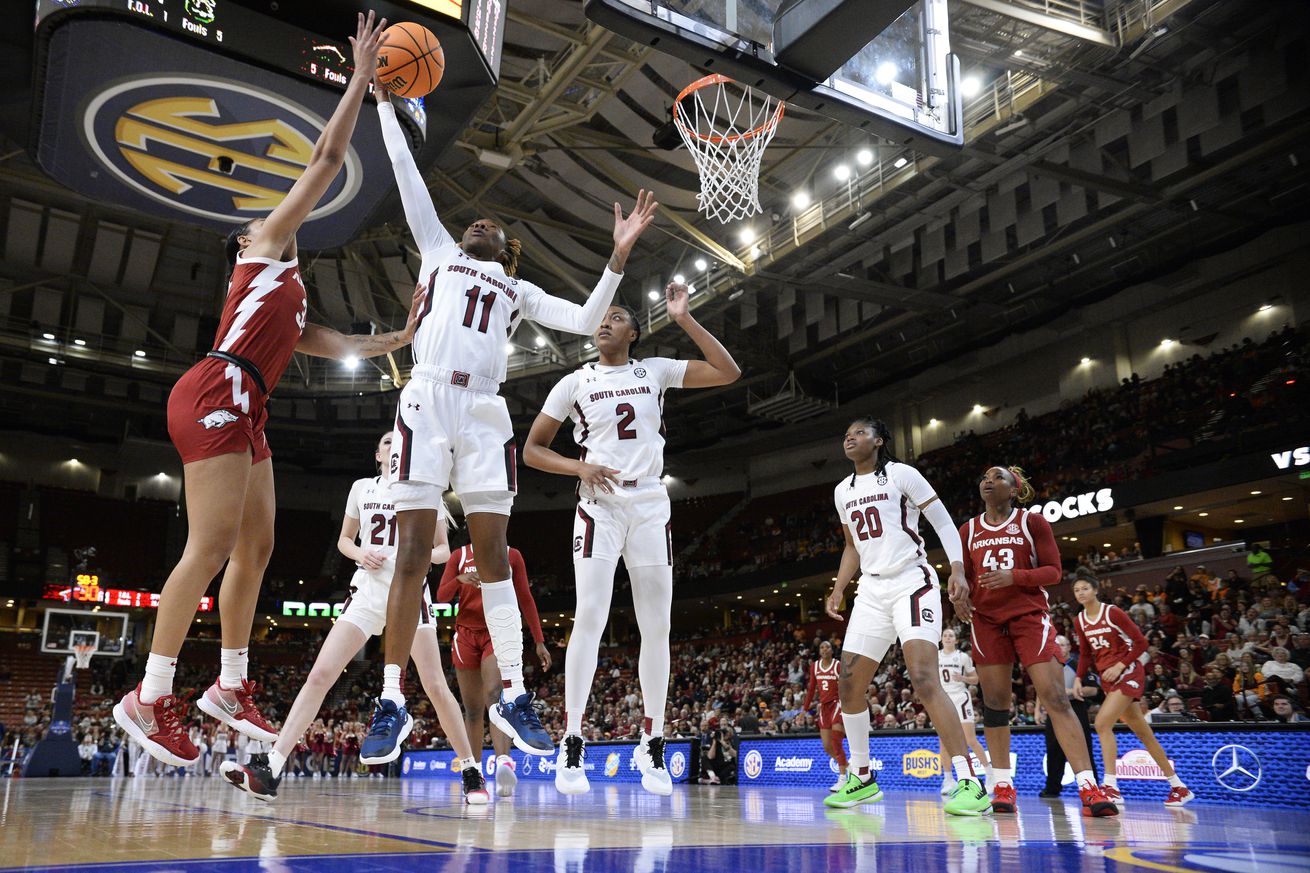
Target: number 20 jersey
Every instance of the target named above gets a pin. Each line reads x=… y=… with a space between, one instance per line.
x=1010 y=545
x=882 y=512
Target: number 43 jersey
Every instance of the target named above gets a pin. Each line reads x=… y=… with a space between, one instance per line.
x=1025 y=545
x=618 y=413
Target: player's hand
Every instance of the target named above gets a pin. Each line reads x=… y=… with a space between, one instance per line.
x=543 y=655
x=957 y=590
x=415 y=312
x=380 y=92
x=676 y=296
x=627 y=230
x=469 y=577
x=832 y=605
x=994 y=579
x=598 y=477
x=372 y=560
x=1114 y=671
x=956 y=677
x=1076 y=693
x=366 y=42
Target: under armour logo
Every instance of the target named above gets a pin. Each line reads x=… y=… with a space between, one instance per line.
x=413 y=406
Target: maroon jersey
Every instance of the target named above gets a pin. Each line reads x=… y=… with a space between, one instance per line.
x=1108 y=638
x=1023 y=544
x=470 y=596
x=263 y=318
x=822 y=682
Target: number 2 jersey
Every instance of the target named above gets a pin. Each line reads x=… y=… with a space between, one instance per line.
x=1025 y=545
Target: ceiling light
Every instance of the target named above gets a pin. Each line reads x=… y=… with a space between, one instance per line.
x=351 y=362
x=702 y=265
x=1018 y=53
x=1085 y=361
x=540 y=341
x=900 y=162
x=386 y=377
x=52 y=360
x=755 y=253
x=653 y=295
x=1073 y=539
x=1288 y=498
x=885 y=73
x=1264 y=307
x=1177 y=507
x=841 y=172
x=48 y=336
x=970 y=86
x=1239 y=521
x=73 y=460
x=1202 y=514
x=588 y=346
x=977 y=408
x=79 y=342
x=864 y=156
x=140 y=353
x=746 y=235
x=1105 y=545
x=739 y=597
x=801 y=199
x=509 y=348
x=679 y=279
x=932 y=422
x=1253 y=493
x=1166 y=343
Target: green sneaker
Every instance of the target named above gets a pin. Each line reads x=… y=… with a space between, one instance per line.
x=968 y=798
x=855 y=792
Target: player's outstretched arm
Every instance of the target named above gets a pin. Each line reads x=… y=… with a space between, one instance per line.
x=538 y=455
x=329 y=152
x=718 y=368
x=420 y=214
x=559 y=314
x=324 y=342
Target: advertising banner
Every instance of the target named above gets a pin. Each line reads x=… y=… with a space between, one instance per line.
x=606 y=762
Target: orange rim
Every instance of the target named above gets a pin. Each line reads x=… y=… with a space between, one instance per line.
x=720 y=79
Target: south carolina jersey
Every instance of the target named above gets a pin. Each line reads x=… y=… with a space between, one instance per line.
x=618 y=412
x=882 y=512
x=952 y=664
x=1024 y=544
x=263 y=318
x=369 y=502
x=1108 y=638
x=823 y=683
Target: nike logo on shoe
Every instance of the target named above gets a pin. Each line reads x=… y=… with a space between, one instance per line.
x=231 y=710
x=148 y=726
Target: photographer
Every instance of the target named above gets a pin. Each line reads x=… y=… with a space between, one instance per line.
x=718 y=756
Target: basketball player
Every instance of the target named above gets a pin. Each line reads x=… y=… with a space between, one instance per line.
x=823 y=682
x=879 y=505
x=1010 y=556
x=470 y=650
x=617 y=406
x=453 y=429
x=957 y=675
x=1109 y=640
x=371 y=520
x=216 y=417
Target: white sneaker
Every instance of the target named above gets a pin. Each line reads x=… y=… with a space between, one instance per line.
x=649 y=756
x=506 y=778
x=836 y=786
x=948 y=785
x=570 y=766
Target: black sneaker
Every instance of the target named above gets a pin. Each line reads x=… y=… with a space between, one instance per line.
x=475 y=787
x=649 y=756
x=255 y=777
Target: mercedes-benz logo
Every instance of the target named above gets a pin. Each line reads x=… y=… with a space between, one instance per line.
x=1236 y=767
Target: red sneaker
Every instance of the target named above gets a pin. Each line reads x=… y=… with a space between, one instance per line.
x=1003 y=798
x=1179 y=796
x=1112 y=794
x=159 y=727
x=1095 y=803
x=236 y=708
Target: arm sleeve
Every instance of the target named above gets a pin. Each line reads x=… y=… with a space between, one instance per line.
x=352 y=502
x=449 y=586
x=420 y=215
x=946 y=530
x=809 y=690
x=1048 y=570
x=580 y=318
x=527 y=605
x=1127 y=626
x=559 y=402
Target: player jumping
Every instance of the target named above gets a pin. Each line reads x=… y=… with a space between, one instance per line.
x=879 y=506
x=216 y=417
x=957 y=675
x=617 y=406
x=823 y=683
x=453 y=429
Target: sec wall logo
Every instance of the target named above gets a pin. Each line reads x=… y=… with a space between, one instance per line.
x=612 y=764
x=677 y=765
x=210 y=147
x=921 y=764
x=753 y=764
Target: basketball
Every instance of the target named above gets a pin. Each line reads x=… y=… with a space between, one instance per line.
x=411 y=61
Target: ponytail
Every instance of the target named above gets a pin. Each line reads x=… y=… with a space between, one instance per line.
x=1024 y=489
x=509 y=257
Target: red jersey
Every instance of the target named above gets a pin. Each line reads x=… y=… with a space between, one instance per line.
x=823 y=681
x=470 y=596
x=1108 y=638
x=263 y=318
x=1024 y=544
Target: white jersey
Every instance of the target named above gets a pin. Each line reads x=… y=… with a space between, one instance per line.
x=882 y=512
x=473 y=307
x=370 y=502
x=618 y=413
x=956 y=662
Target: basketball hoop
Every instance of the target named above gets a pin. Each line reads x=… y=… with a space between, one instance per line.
x=82 y=655
x=726 y=126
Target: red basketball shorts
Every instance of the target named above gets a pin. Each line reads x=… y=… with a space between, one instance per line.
x=829 y=715
x=207 y=417
x=470 y=647
x=1131 y=682
x=1030 y=637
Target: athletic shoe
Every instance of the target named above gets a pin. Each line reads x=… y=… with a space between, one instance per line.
x=948 y=785
x=968 y=798
x=1112 y=794
x=390 y=726
x=158 y=727
x=570 y=766
x=236 y=709
x=519 y=721
x=506 y=778
x=256 y=777
x=649 y=756
x=1047 y=794
x=1003 y=799
x=855 y=792
x=836 y=786
x=1095 y=803
x=475 y=787
x=1179 y=796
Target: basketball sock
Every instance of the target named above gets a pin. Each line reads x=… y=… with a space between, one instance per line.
x=391 y=689
x=276 y=761
x=1002 y=776
x=594 y=579
x=963 y=768
x=500 y=605
x=1175 y=782
x=1082 y=778
x=857 y=734
x=158 y=681
x=652 y=601
x=232 y=667
x=1111 y=780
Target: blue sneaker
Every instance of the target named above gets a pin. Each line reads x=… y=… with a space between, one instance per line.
x=390 y=726
x=518 y=720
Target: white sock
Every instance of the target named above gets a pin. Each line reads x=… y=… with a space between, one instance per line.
x=963 y=768
x=652 y=601
x=500 y=606
x=594 y=579
x=1002 y=776
x=232 y=667
x=504 y=760
x=158 y=681
x=857 y=734
x=1083 y=778
x=276 y=761
x=1175 y=782
x=391 y=689
x=468 y=763
x=1110 y=781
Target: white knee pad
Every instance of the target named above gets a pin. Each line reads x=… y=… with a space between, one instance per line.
x=505 y=626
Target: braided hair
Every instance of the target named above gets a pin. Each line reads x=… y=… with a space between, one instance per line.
x=885 y=453
x=509 y=258
x=1018 y=480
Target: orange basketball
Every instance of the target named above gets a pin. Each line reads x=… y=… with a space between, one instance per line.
x=411 y=60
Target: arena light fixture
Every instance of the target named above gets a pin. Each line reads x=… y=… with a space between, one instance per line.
x=1202 y=514
x=1264 y=307
x=900 y=162
x=140 y=353
x=509 y=348
x=746 y=235
x=977 y=408
x=79 y=342
x=588 y=346
x=1085 y=361
x=932 y=422
x=702 y=265
x=1177 y=507
x=679 y=279
x=970 y=86
x=886 y=73
x=653 y=295
x=540 y=341
x=801 y=199
x=48 y=336
x=1285 y=499
x=1239 y=521
x=841 y=172
x=865 y=157
x=1166 y=343
x=1254 y=493
x=351 y=362
x=1073 y=539
x=52 y=361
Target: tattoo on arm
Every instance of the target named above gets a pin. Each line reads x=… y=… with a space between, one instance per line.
x=381 y=342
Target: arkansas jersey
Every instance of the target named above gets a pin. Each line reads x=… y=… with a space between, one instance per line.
x=618 y=412
x=953 y=664
x=1108 y=638
x=1024 y=544
x=263 y=318
x=823 y=683
x=882 y=512
x=470 y=596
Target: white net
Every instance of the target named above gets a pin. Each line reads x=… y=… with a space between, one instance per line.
x=726 y=127
x=82 y=656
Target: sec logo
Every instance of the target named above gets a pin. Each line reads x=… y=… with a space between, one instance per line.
x=753 y=764
x=612 y=764
x=639 y=372
x=677 y=765
x=214 y=148
x=404 y=767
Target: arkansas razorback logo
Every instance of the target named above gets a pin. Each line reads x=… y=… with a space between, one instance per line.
x=217 y=418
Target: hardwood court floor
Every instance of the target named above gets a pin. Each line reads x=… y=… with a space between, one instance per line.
x=362 y=826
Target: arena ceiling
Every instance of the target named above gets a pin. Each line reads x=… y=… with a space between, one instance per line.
x=1091 y=163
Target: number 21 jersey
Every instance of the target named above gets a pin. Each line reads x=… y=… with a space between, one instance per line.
x=371 y=504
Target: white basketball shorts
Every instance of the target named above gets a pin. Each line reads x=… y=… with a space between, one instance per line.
x=906 y=606
x=963 y=703
x=366 y=607
x=632 y=523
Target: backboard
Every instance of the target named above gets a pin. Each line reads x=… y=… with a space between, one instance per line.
x=901 y=85
x=64 y=628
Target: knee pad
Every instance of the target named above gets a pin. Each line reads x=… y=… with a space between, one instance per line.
x=995 y=717
x=505 y=627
